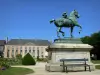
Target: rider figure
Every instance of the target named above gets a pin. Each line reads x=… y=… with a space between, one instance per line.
x=64 y=15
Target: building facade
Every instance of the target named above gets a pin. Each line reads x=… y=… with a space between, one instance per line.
x=2 y=47
x=23 y=46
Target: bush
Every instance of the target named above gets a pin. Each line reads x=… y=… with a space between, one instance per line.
x=18 y=59
x=19 y=56
x=11 y=61
x=4 y=65
x=28 y=60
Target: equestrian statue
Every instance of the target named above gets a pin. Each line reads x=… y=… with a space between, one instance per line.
x=67 y=22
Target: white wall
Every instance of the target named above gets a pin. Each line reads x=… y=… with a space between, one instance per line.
x=57 y=55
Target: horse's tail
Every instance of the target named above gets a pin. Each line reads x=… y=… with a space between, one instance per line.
x=52 y=20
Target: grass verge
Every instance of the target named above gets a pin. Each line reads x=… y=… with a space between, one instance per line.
x=97 y=66
x=96 y=61
x=16 y=71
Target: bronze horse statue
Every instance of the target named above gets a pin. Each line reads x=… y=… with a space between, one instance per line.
x=68 y=22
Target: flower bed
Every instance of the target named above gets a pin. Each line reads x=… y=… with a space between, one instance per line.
x=4 y=65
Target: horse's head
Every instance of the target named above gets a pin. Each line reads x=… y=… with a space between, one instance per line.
x=76 y=14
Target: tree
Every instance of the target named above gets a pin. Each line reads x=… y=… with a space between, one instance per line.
x=93 y=40
x=86 y=39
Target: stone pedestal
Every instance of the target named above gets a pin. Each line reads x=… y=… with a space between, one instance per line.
x=67 y=49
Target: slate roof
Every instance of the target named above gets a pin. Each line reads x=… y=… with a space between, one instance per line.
x=2 y=42
x=36 y=42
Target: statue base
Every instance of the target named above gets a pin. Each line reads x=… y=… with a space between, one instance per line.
x=67 y=48
x=68 y=40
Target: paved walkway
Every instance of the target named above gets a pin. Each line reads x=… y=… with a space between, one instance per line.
x=39 y=69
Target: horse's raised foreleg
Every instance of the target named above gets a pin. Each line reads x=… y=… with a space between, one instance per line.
x=71 y=31
x=79 y=27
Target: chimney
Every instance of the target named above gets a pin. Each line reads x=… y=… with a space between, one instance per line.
x=6 y=39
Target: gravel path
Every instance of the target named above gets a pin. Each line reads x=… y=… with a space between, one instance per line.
x=39 y=69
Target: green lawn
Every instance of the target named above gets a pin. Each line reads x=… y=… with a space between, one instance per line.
x=96 y=61
x=16 y=71
x=97 y=66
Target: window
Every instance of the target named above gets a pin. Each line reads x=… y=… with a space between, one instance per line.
x=33 y=48
x=25 y=51
x=41 y=52
x=16 y=51
x=21 y=48
x=29 y=48
x=37 y=53
x=37 y=48
x=8 y=47
x=42 y=56
x=41 y=48
x=16 y=48
x=12 y=53
x=21 y=52
x=12 y=47
x=29 y=51
x=33 y=53
x=8 y=53
x=1 y=48
x=25 y=48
